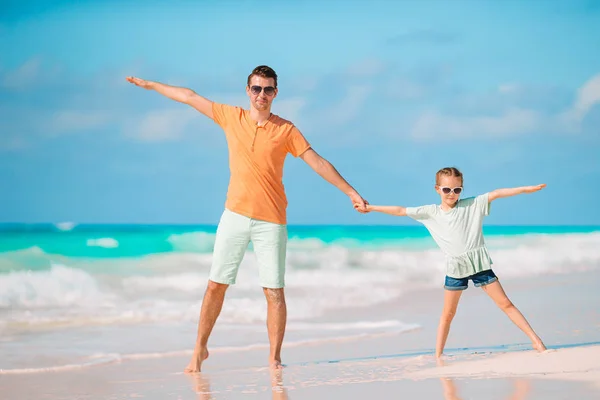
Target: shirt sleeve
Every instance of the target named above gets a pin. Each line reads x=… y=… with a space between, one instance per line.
x=482 y=202
x=296 y=142
x=221 y=113
x=419 y=213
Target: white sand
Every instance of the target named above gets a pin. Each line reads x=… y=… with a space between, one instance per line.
x=563 y=309
x=576 y=364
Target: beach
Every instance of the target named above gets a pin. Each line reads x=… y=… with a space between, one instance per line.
x=352 y=337
x=373 y=153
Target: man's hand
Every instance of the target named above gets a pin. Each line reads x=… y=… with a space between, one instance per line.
x=180 y=94
x=358 y=207
x=139 y=82
x=358 y=202
x=532 y=189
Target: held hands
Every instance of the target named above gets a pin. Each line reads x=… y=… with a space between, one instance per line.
x=358 y=202
x=139 y=82
x=536 y=188
x=367 y=209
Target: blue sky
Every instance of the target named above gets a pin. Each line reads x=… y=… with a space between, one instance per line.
x=389 y=92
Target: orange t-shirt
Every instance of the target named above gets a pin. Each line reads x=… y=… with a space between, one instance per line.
x=256 y=156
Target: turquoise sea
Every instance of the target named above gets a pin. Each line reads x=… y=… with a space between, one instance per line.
x=111 y=241
x=74 y=292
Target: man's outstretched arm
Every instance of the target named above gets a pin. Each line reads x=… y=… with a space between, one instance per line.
x=328 y=172
x=180 y=94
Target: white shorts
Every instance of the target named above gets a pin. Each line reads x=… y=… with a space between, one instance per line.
x=234 y=233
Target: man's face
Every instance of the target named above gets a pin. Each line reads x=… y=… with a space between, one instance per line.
x=261 y=92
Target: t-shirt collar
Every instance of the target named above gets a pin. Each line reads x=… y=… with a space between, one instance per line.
x=254 y=123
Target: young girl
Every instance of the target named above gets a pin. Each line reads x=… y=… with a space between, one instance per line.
x=456 y=226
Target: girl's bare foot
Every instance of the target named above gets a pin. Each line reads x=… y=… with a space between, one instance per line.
x=440 y=361
x=195 y=364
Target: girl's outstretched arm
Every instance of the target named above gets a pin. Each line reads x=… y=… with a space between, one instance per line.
x=499 y=193
x=391 y=210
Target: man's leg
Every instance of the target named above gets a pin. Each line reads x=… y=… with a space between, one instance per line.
x=276 y=320
x=231 y=242
x=211 y=308
x=270 y=241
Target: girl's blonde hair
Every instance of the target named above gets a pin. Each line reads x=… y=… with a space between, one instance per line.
x=448 y=171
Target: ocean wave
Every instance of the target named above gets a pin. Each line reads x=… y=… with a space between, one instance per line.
x=169 y=286
x=189 y=282
x=137 y=241
x=65 y=226
x=108 y=243
x=58 y=287
x=96 y=360
x=201 y=242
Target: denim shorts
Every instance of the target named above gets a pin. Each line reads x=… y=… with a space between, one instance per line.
x=479 y=279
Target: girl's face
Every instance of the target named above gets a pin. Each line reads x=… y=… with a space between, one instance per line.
x=449 y=189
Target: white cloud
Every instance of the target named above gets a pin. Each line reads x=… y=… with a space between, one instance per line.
x=162 y=125
x=367 y=67
x=289 y=108
x=23 y=76
x=13 y=143
x=405 y=89
x=171 y=124
x=424 y=36
x=587 y=97
x=508 y=88
x=75 y=120
x=233 y=99
x=348 y=108
x=511 y=121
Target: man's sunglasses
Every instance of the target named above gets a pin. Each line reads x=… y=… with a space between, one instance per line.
x=447 y=190
x=269 y=90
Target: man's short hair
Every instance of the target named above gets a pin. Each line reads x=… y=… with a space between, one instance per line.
x=264 y=72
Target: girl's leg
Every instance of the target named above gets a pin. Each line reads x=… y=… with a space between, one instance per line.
x=451 y=298
x=496 y=292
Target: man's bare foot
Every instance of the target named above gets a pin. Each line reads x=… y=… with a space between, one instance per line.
x=195 y=364
x=539 y=346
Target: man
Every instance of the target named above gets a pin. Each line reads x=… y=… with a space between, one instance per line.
x=255 y=209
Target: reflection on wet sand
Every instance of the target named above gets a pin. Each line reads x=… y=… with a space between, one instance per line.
x=201 y=386
x=277 y=388
x=522 y=387
x=521 y=390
